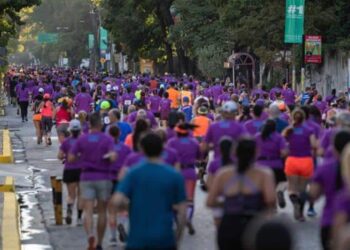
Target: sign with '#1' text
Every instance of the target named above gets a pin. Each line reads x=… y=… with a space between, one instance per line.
x=294 y=24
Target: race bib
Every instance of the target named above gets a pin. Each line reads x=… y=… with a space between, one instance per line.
x=127 y=102
x=106 y=120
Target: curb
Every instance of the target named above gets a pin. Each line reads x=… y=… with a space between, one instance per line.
x=10 y=218
x=7 y=154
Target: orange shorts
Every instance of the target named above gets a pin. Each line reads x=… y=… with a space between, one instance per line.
x=299 y=166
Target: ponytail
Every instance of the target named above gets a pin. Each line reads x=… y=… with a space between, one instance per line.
x=245 y=152
x=225 y=149
x=268 y=129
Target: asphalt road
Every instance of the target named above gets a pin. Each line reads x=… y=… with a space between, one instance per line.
x=37 y=163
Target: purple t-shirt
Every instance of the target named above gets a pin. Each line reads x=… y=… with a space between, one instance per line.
x=154 y=102
x=270 y=150
x=253 y=126
x=188 y=152
x=133 y=159
x=341 y=203
x=23 y=94
x=91 y=149
x=66 y=147
x=83 y=102
x=314 y=127
x=217 y=130
x=299 y=141
x=122 y=153
x=289 y=96
x=326 y=176
x=164 y=106
x=170 y=156
x=214 y=166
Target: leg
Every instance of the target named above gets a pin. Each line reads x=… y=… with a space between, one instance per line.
x=112 y=221
x=88 y=216
x=102 y=221
x=190 y=189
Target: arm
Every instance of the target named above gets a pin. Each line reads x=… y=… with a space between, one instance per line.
x=60 y=155
x=215 y=191
x=181 y=210
x=339 y=224
x=120 y=201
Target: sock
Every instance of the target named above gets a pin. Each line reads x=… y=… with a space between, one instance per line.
x=69 y=207
x=80 y=212
x=190 y=211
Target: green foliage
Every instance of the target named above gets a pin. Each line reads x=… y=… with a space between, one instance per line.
x=10 y=18
x=210 y=60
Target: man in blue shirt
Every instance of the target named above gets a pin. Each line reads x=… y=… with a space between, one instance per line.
x=153 y=191
x=124 y=127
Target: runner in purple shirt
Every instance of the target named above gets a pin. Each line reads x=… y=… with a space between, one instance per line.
x=83 y=101
x=23 y=100
x=227 y=127
x=188 y=152
x=289 y=95
x=95 y=151
x=328 y=181
x=272 y=151
x=253 y=126
x=71 y=172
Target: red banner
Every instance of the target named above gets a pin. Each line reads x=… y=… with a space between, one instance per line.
x=313 y=49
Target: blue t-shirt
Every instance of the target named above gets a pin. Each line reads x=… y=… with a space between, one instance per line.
x=280 y=125
x=152 y=189
x=188 y=113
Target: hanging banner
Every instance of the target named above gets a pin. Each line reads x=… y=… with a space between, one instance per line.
x=103 y=39
x=91 y=41
x=294 y=24
x=313 y=49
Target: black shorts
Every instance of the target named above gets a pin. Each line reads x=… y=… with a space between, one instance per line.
x=47 y=124
x=71 y=175
x=157 y=114
x=114 y=186
x=279 y=174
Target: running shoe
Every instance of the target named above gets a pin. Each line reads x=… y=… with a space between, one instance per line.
x=98 y=248
x=311 y=212
x=122 y=233
x=190 y=227
x=281 y=200
x=79 y=222
x=113 y=241
x=69 y=216
x=91 y=243
x=296 y=206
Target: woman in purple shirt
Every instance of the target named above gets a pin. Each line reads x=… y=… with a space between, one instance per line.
x=272 y=150
x=23 y=99
x=299 y=164
x=328 y=181
x=188 y=151
x=71 y=172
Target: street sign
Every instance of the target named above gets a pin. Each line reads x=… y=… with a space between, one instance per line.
x=91 y=41
x=103 y=39
x=313 y=49
x=294 y=24
x=47 y=38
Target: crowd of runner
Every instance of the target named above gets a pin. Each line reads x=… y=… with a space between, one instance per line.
x=134 y=148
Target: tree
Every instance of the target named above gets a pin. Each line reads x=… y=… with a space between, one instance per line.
x=10 y=18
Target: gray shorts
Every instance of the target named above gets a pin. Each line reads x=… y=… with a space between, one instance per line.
x=96 y=190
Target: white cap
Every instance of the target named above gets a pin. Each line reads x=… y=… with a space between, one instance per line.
x=41 y=90
x=74 y=125
x=108 y=87
x=229 y=107
x=115 y=88
x=133 y=78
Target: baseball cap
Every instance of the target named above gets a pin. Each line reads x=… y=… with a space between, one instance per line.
x=47 y=96
x=202 y=110
x=105 y=105
x=74 y=125
x=108 y=87
x=186 y=99
x=229 y=107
